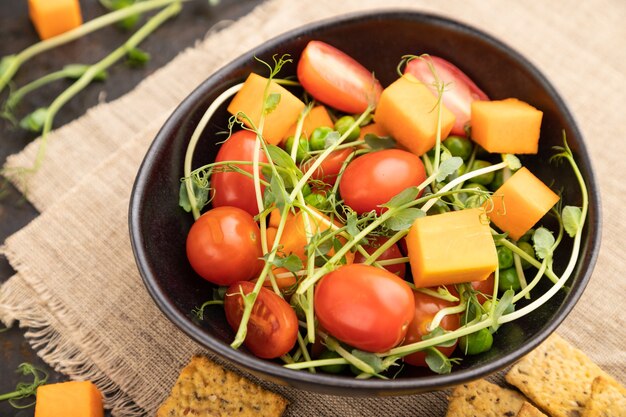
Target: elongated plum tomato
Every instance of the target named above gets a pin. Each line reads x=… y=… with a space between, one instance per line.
x=232 y=188
x=426 y=307
x=224 y=246
x=392 y=253
x=460 y=89
x=372 y=179
x=336 y=79
x=366 y=307
x=330 y=166
x=273 y=325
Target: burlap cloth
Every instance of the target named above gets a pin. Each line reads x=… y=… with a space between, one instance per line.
x=77 y=287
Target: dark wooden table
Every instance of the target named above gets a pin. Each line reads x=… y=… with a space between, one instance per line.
x=16 y=33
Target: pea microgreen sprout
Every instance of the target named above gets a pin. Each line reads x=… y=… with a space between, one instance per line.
x=24 y=389
x=11 y=63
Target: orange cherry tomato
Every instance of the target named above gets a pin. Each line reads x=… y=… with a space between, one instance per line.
x=224 y=246
x=273 y=325
x=392 y=253
x=366 y=307
x=232 y=188
x=425 y=309
x=336 y=79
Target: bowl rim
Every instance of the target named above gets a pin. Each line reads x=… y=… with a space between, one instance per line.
x=326 y=382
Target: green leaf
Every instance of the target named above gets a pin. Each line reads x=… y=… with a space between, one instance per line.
x=75 y=71
x=332 y=138
x=512 y=161
x=379 y=142
x=572 y=219
x=403 y=197
x=439 y=331
x=201 y=193
x=281 y=158
x=448 y=166
x=369 y=358
x=278 y=192
x=136 y=58
x=351 y=224
x=543 y=242
x=404 y=219
x=503 y=304
x=35 y=120
x=437 y=361
x=292 y=263
x=128 y=22
x=271 y=102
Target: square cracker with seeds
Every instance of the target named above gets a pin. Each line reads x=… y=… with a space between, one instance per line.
x=529 y=410
x=482 y=398
x=204 y=388
x=608 y=399
x=557 y=377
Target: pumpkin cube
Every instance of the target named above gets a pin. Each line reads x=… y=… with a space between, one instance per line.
x=69 y=399
x=317 y=117
x=53 y=17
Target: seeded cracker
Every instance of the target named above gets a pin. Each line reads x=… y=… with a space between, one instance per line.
x=484 y=399
x=608 y=399
x=204 y=388
x=529 y=410
x=557 y=377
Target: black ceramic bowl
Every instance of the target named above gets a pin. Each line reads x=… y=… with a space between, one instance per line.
x=158 y=227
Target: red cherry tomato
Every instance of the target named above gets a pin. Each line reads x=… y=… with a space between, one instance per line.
x=232 y=188
x=224 y=246
x=460 y=89
x=392 y=253
x=366 y=307
x=425 y=309
x=330 y=167
x=273 y=325
x=372 y=179
x=336 y=79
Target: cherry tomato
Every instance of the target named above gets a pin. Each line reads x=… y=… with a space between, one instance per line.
x=372 y=179
x=336 y=79
x=460 y=89
x=392 y=253
x=366 y=307
x=426 y=307
x=273 y=325
x=224 y=246
x=330 y=167
x=232 y=188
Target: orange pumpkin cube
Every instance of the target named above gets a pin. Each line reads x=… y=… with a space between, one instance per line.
x=69 y=399
x=249 y=101
x=407 y=109
x=317 y=117
x=506 y=126
x=375 y=129
x=451 y=248
x=520 y=203
x=53 y=17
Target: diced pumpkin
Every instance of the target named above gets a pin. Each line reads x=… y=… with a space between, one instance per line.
x=506 y=126
x=375 y=129
x=451 y=248
x=53 y=17
x=317 y=117
x=69 y=399
x=520 y=203
x=249 y=101
x=408 y=110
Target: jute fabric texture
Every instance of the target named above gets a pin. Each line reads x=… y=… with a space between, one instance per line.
x=77 y=287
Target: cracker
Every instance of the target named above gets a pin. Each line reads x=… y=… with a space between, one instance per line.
x=608 y=399
x=482 y=398
x=557 y=377
x=204 y=388
x=529 y=410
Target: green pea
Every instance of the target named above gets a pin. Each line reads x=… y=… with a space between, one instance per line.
x=464 y=196
x=497 y=180
x=317 y=141
x=505 y=257
x=331 y=369
x=475 y=343
x=343 y=124
x=508 y=280
x=528 y=248
x=316 y=200
x=303 y=148
x=526 y=237
x=459 y=146
x=484 y=179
